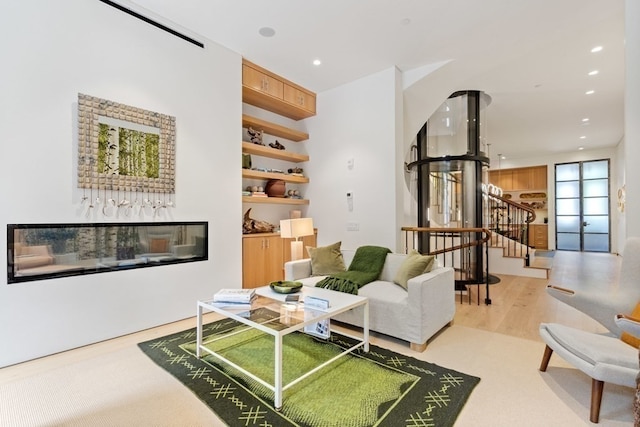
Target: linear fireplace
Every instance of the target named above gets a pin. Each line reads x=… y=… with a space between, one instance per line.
x=46 y=251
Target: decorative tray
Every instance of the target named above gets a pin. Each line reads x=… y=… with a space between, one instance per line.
x=285 y=286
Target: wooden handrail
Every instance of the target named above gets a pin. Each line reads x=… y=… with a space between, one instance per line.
x=482 y=241
x=532 y=213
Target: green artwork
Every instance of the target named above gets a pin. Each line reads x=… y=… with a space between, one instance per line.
x=125 y=148
x=128 y=152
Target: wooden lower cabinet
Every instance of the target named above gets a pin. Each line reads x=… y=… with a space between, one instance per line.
x=538 y=236
x=264 y=255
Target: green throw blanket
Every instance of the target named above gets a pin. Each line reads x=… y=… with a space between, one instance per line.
x=366 y=267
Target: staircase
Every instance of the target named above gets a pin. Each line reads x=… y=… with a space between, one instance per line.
x=509 y=252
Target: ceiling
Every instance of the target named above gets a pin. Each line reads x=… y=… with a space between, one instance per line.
x=531 y=56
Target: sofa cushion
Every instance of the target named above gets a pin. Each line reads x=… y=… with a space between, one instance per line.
x=413 y=265
x=326 y=260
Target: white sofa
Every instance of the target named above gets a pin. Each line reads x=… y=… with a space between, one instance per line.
x=414 y=315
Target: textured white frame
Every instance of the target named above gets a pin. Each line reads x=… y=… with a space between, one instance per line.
x=90 y=109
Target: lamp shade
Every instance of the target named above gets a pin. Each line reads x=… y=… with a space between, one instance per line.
x=295 y=228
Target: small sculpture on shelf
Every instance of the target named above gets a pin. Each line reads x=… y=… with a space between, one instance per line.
x=256 y=136
x=294 y=194
x=295 y=171
x=250 y=225
x=276 y=145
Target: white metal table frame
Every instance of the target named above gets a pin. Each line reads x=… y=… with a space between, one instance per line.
x=339 y=303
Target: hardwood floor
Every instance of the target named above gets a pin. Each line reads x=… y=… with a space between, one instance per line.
x=520 y=304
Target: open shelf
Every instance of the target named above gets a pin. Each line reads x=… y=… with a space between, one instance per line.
x=274 y=200
x=264 y=151
x=274 y=129
x=253 y=174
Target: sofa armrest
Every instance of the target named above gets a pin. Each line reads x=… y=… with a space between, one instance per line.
x=298 y=269
x=431 y=301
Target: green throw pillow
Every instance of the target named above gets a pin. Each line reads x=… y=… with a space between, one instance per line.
x=326 y=260
x=413 y=265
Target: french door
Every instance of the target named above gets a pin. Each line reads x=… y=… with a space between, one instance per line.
x=582 y=206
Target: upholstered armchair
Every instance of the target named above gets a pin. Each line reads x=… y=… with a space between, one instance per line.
x=602 y=357
x=603 y=305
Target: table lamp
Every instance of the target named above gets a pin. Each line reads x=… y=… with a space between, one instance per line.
x=294 y=229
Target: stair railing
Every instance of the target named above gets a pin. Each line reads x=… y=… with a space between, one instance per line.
x=453 y=247
x=509 y=221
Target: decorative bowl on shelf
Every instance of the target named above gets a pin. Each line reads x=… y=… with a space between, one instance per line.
x=275 y=188
x=285 y=286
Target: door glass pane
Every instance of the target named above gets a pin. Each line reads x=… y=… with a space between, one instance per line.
x=568 y=206
x=568 y=242
x=596 y=206
x=569 y=172
x=568 y=189
x=593 y=170
x=595 y=188
x=596 y=242
x=597 y=224
x=568 y=224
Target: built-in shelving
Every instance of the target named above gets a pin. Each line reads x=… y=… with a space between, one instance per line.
x=275 y=200
x=264 y=151
x=254 y=174
x=274 y=129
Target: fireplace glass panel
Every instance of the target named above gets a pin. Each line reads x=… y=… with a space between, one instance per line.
x=45 y=251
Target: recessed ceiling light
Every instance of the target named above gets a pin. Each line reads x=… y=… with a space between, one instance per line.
x=590 y=92
x=583 y=137
x=586 y=119
x=593 y=73
x=267 y=32
x=596 y=49
x=580 y=148
x=317 y=62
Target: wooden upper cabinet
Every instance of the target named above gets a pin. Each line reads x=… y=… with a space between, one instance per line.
x=539 y=178
x=262 y=82
x=268 y=91
x=521 y=179
x=529 y=178
x=300 y=98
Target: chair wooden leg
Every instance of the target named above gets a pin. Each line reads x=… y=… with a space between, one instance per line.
x=596 y=399
x=548 y=351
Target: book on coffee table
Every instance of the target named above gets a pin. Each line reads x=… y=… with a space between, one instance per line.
x=321 y=329
x=234 y=296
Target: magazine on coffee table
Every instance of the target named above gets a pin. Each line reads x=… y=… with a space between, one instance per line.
x=322 y=328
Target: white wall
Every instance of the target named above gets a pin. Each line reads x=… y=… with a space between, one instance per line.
x=355 y=121
x=632 y=112
x=51 y=51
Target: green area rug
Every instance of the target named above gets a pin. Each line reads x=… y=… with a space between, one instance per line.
x=379 y=388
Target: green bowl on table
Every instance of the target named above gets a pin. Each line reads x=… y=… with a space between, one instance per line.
x=285 y=286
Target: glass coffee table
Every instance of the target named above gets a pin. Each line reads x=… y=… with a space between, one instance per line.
x=293 y=316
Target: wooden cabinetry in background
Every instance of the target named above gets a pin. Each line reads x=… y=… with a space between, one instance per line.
x=538 y=236
x=517 y=179
x=267 y=90
x=262 y=259
x=264 y=255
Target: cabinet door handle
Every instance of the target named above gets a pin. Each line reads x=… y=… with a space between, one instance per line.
x=267 y=243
